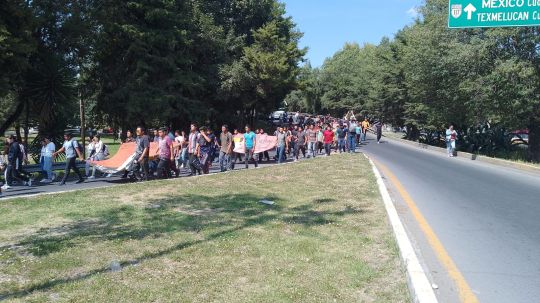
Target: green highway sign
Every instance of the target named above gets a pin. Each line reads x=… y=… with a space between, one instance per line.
x=493 y=13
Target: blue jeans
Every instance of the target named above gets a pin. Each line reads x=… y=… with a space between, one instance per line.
x=46 y=166
x=352 y=143
x=280 y=153
x=363 y=136
x=312 y=149
x=341 y=145
x=224 y=161
x=450 y=147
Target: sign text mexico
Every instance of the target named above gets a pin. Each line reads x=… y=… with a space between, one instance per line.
x=493 y=13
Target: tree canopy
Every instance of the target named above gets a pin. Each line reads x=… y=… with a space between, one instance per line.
x=428 y=76
x=140 y=62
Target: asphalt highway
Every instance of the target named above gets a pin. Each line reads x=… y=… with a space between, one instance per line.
x=486 y=217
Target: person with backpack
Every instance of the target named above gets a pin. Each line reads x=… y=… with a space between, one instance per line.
x=15 y=159
x=352 y=135
x=72 y=150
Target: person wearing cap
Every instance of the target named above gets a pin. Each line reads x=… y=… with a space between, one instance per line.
x=71 y=148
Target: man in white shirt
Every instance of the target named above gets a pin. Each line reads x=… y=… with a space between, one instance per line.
x=71 y=148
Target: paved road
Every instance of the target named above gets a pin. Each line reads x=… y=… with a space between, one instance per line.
x=487 y=218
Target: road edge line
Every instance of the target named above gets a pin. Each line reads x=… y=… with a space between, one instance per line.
x=419 y=285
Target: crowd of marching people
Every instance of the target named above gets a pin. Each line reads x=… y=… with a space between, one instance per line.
x=194 y=152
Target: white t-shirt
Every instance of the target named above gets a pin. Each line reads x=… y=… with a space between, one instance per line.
x=180 y=140
x=48 y=150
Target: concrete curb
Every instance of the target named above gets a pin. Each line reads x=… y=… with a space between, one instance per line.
x=469 y=156
x=419 y=285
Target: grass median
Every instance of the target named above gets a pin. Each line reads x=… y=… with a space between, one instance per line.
x=209 y=239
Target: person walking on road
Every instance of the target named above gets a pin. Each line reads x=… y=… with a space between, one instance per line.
x=46 y=160
x=282 y=145
x=320 y=139
x=365 y=127
x=165 y=152
x=301 y=141
x=129 y=139
x=264 y=155
x=237 y=138
x=250 y=142
x=15 y=159
x=451 y=137
x=341 y=133
x=312 y=141
x=352 y=136
x=378 y=130
x=96 y=152
x=194 y=163
x=328 y=135
x=142 y=152
x=72 y=150
x=225 y=151
x=207 y=148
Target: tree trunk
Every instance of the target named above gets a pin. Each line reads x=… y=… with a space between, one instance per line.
x=12 y=118
x=83 y=126
x=534 y=141
x=18 y=132
x=26 y=124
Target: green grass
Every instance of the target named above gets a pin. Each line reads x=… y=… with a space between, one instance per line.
x=208 y=239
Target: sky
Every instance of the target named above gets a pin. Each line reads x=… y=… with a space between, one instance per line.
x=328 y=24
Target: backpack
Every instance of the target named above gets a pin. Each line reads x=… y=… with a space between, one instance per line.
x=75 y=148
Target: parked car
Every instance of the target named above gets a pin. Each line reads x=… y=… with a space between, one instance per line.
x=278 y=117
x=520 y=137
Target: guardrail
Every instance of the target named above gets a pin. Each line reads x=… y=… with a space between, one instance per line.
x=35 y=168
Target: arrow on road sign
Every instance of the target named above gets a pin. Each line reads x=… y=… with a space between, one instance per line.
x=469 y=9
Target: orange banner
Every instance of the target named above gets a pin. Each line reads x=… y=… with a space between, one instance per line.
x=123 y=158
